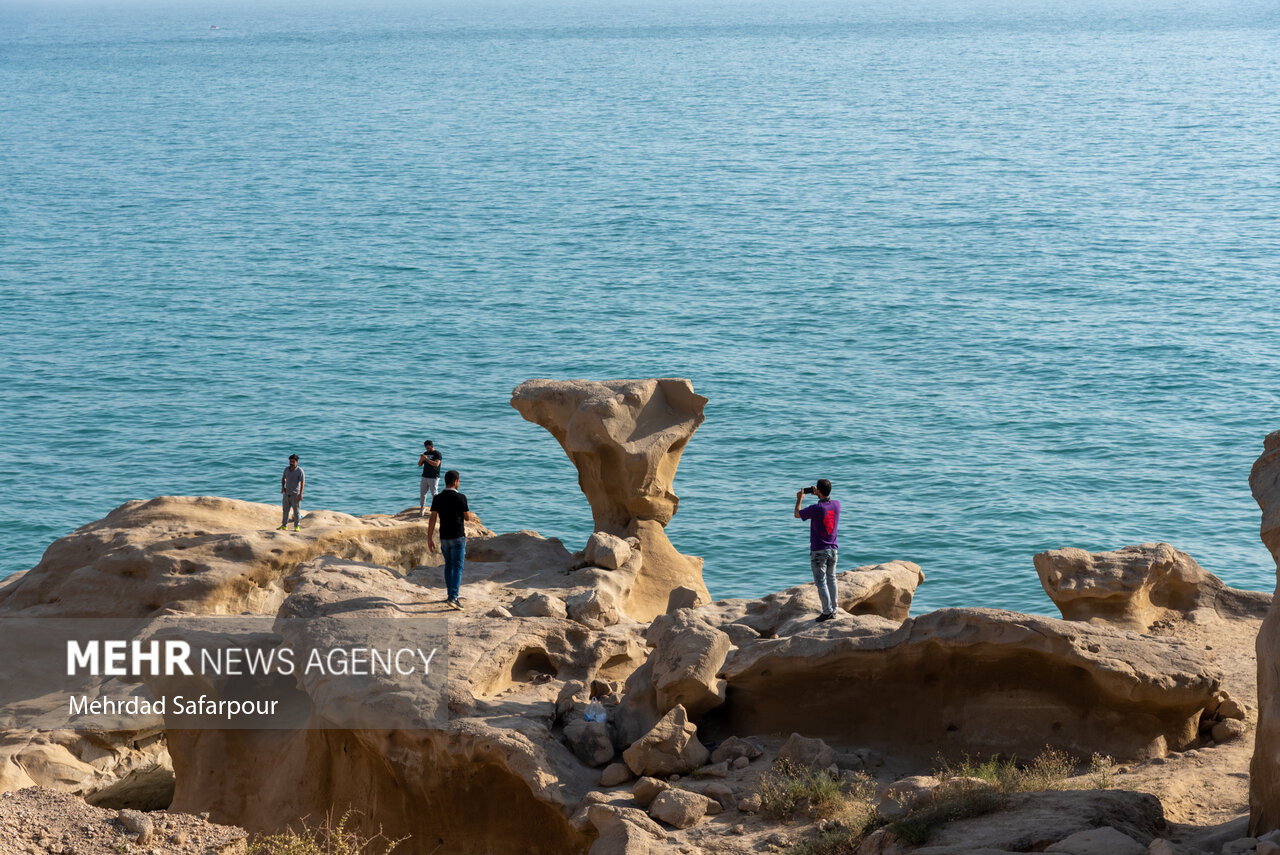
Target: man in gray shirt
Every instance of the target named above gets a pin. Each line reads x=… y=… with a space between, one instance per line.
x=292 y=483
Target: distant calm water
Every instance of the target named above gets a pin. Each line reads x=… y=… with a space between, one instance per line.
x=1006 y=272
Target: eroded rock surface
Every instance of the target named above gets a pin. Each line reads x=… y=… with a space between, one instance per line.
x=1138 y=585
x=625 y=437
x=1264 y=787
x=500 y=765
x=202 y=555
x=113 y=769
x=879 y=590
x=976 y=681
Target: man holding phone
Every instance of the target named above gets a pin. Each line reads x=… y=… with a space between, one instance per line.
x=824 y=518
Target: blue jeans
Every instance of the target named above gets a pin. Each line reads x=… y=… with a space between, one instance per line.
x=454 y=551
x=823 y=563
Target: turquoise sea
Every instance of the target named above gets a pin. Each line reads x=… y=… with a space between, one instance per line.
x=1005 y=272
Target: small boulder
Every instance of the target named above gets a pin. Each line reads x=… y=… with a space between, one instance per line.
x=733 y=748
x=1241 y=846
x=750 y=804
x=1099 y=841
x=741 y=763
x=569 y=692
x=137 y=822
x=540 y=605
x=590 y=741
x=906 y=795
x=615 y=774
x=1228 y=730
x=623 y=831
x=497 y=612
x=594 y=609
x=715 y=770
x=670 y=748
x=1231 y=708
x=722 y=793
x=645 y=790
x=808 y=752
x=681 y=808
x=606 y=550
x=682 y=597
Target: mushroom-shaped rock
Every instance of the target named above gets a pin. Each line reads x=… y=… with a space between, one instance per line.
x=670 y=748
x=1137 y=585
x=1264 y=772
x=625 y=437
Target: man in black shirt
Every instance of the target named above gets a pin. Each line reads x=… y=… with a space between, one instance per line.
x=429 y=460
x=449 y=508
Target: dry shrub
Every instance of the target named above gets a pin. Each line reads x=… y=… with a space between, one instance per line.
x=330 y=837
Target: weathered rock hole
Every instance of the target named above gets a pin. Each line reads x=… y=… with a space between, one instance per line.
x=531 y=662
x=147 y=789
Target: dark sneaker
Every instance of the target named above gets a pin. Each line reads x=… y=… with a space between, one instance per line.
x=824 y=616
x=454 y=604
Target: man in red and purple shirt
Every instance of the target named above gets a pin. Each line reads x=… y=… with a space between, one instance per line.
x=824 y=518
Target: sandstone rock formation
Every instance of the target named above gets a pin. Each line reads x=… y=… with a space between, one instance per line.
x=625 y=437
x=682 y=670
x=499 y=766
x=202 y=555
x=112 y=769
x=976 y=681
x=670 y=748
x=881 y=590
x=1031 y=822
x=1264 y=787
x=1136 y=586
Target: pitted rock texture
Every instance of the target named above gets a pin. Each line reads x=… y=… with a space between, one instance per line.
x=202 y=555
x=501 y=765
x=681 y=670
x=625 y=437
x=975 y=681
x=112 y=769
x=1264 y=781
x=1136 y=586
x=880 y=590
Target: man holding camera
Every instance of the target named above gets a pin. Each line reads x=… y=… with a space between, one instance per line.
x=429 y=460
x=824 y=518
